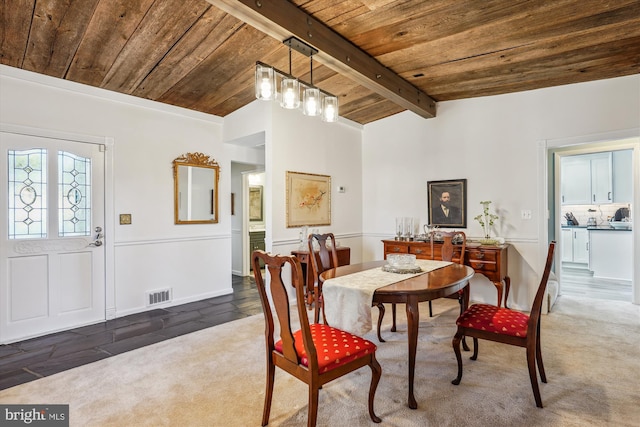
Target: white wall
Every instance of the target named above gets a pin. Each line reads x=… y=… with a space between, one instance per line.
x=151 y=253
x=306 y=144
x=493 y=143
x=294 y=142
x=244 y=135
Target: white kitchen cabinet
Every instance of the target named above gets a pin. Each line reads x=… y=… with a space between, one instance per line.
x=601 y=180
x=622 y=165
x=575 y=246
x=575 y=180
x=566 y=235
x=586 y=179
x=581 y=245
x=611 y=254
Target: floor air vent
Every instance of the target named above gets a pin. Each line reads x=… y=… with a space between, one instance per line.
x=158 y=297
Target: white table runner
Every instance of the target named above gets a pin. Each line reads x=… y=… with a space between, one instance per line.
x=348 y=299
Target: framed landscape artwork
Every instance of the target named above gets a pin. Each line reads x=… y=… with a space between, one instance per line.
x=447 y=202
x=255 y=203
x=308 y=199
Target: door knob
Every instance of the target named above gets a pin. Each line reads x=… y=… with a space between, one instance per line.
x=99 y=237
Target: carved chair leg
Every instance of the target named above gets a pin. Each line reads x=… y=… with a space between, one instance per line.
x=456 y=349
x=465 y=347
x=381 y=309
x=271 y=370
x=475 y=349
x=531 y=363
x=376 y=372
x=318 y=304
x=313 y=405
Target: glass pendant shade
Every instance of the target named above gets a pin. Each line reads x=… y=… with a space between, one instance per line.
x=311 y=105
x=265 y=83
x=330 y=109
x=290 y=94
x=272 y=84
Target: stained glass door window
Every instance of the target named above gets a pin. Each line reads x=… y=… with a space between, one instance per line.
x=74 y=195
x=27 y=193
x=27 y=180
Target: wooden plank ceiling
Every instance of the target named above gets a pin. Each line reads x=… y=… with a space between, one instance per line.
x=191 y=54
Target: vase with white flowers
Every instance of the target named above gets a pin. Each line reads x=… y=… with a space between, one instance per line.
x=486 y=220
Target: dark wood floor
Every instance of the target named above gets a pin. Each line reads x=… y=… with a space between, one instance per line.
x=29 y=360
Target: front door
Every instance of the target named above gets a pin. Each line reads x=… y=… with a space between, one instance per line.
x=51 y=233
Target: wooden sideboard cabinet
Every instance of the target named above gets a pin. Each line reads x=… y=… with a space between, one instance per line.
x=344 y=258
x=488 y=260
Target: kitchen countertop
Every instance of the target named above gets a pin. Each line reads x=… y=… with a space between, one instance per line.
x=597 y=227
x=607 y=228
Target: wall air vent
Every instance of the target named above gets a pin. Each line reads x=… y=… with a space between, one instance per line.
x=158 y=297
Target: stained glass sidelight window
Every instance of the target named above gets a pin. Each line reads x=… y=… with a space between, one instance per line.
x=74 y=195
x=27 y=193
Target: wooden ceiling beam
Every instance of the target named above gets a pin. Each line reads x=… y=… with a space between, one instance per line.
x=281 y=19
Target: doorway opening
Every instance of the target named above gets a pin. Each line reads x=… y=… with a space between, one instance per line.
x=594 y=191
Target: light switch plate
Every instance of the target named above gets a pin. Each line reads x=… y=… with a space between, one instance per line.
x=125 y=219
x=525 y=214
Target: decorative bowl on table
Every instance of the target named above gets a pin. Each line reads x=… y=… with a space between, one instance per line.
x=401 y=263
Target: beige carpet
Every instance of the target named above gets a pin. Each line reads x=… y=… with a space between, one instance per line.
x=215 y=377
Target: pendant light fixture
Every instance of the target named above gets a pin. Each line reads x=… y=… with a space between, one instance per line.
x=315 y=101
x=265 y=82
x=311 y=104
x=330 y=109
x=290 y=90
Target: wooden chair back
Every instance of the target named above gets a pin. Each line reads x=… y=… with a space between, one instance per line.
x=447 y=249
x=446 y=254
x=275 y=265
x=536 y=307
x=325 y=258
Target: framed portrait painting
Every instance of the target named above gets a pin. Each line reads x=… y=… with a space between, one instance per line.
x=308 y=199
x=255 y=203
x=447 y=203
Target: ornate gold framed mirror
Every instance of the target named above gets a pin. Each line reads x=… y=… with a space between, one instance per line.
x=195 y=183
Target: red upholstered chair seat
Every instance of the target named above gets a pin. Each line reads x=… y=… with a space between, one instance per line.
x=494 y=319
x=334 y=346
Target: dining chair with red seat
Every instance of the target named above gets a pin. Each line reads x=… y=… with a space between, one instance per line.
x=446 y=254
x=507 y=326
x=316 y=353
x=325 y=258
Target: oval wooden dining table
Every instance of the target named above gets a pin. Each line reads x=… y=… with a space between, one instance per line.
x=412 y=291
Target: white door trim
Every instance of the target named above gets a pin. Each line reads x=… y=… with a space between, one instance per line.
x=109 y=219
